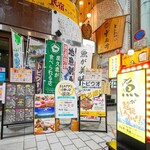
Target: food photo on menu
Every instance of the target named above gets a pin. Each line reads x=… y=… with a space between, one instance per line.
x=44 y=121
x=44 y=100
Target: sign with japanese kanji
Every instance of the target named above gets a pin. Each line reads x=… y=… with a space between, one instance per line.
x=52 y=66
x=114 y=65
x=65 y=100
x=131 y=95
x=110 y=34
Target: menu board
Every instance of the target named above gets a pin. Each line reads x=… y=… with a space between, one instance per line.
x=44 y=114
x=93 y=103
x=131 y=97
x=66 y=100
x=20 y=75
x=19 y=99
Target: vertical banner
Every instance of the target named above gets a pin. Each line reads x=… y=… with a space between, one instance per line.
x=35 y=60
x=44 y=114
x=83 y=61
x=52 y=66
x=66 y=100
x=68 y=63
x=18 y=50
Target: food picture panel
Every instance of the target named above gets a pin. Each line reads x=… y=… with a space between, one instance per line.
x=44 y=100
x=44 y=120
x=44 y=125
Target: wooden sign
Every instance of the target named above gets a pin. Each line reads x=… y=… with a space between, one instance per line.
x=110 y=34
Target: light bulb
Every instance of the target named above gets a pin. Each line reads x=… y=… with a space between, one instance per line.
x=89 y=15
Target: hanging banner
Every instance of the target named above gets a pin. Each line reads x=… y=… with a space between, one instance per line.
x=93 y=104
x=18 y=49
x=65 y=7
x=109 y=35
x=52 y=66
x=114 y=65
x=44 y=114
x=35 y=53
x=39 y=76
x=131 y=95
x=66 y=100
x=20 y=75
x=83 y=61
x=68 y=63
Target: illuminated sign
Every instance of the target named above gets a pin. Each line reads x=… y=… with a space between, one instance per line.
x=131 y=97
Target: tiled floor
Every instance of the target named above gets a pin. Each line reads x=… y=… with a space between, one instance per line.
x=64 y=139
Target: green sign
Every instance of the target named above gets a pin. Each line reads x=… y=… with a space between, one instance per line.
x=52 y=66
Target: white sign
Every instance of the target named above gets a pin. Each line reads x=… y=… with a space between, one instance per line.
x=20 y=75
x=66 y=100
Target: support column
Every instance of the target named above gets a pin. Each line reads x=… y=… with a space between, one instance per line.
x=145 y=18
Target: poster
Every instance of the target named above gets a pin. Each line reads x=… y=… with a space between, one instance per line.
x=35 y=52
x=114 y=65
x=19 y=101
x=66 y=100
x=59 y=24
x=44 y=120
x=68 y=63
x=18 y=49
x=52 y=66
x=131 y=97
x=105 y=87
x=20 y=75
x=44 y=114
x=93 y=104
x=2 y=92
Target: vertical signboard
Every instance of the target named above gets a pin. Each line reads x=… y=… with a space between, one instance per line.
x=18 y=50
x=44 y=114
x=66 y=100
x=52 y=66
x=131 y=104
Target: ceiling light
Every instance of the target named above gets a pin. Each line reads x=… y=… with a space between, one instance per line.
x=81 y=3
x=130 y=52
x=89 y=15
x=80 y=24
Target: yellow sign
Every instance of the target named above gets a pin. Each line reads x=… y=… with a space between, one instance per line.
x=105 y=88
x=131 y=97
x=93 y=104
x=109 y=35
x=65 y=7
x=136 y=58
x=114 y=65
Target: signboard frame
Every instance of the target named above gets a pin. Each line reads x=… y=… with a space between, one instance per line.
x=125 y=139
x=16 y=106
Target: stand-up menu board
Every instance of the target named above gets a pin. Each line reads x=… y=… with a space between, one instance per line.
x=19 y=99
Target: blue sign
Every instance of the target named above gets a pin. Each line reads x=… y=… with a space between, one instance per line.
x=139 y=35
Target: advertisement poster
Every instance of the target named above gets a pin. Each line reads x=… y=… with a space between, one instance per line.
x=2 y=92
x=44 y=114
x=66 y=100
x=35 y=52
x=93 y=104
x=105 y=88
x=114 y=65
x=38 y=78
x=68 y=63
x=19 y=101
x=52 y=66
x=20 y=75
x=131 y=97
x=18 y=50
